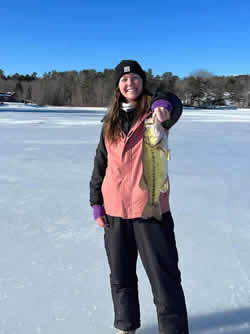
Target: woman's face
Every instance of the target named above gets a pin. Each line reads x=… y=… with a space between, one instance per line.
x=130 y=86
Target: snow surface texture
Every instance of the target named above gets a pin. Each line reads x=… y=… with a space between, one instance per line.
x=54 y=275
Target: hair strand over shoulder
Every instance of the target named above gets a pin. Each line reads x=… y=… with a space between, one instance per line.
x=112 y=127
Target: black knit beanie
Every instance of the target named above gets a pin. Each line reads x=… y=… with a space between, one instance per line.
x=128 y=66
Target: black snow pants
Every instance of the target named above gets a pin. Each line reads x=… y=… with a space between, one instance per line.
x=155 y=242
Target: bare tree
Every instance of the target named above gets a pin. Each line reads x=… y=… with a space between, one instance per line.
x=201 y=73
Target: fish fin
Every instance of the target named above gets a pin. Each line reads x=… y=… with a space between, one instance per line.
x=143 y=184
x=166 y=151
x=164 y=187
x=168 y=155
x=152 y=211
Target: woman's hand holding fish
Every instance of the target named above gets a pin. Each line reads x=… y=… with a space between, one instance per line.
x=161 y=114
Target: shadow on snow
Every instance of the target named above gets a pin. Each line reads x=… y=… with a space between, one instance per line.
x=228 y=322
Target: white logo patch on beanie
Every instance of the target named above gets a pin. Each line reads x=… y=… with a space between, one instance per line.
x=126 y=69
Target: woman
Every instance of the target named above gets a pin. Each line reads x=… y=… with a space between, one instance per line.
x=118 y=203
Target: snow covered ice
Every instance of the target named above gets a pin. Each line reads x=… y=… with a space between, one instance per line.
x=54 y=272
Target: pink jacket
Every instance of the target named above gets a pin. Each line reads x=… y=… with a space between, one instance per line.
x=121 y=192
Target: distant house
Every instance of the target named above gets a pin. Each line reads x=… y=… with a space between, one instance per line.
x=7 y=97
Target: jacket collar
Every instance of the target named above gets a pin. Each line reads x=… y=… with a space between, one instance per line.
x=137 y=124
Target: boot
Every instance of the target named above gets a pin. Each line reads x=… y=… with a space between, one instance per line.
x=120 y=331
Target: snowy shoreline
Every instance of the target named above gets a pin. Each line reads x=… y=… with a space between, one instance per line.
x=21 y=107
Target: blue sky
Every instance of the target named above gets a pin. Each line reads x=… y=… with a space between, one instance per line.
x=167 y=36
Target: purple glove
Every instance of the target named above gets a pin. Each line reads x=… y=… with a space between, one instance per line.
x=162 y=103
x=98 y=211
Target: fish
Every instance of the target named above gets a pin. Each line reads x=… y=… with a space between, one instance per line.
x=155 y=158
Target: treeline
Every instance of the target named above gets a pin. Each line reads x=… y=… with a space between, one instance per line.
x=91 y=88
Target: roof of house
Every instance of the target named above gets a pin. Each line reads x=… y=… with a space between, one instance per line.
x=7 y=94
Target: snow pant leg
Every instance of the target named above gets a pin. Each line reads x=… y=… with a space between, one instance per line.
x=122 y=256
x=157 y=248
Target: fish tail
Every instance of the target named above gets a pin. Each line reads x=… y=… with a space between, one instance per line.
x=152 y=211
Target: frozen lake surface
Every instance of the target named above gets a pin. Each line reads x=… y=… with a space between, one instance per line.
x=54 y=273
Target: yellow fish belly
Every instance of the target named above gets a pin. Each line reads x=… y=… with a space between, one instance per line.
x=155 y=178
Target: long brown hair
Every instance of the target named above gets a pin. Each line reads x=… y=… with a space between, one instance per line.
x=112 y=127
